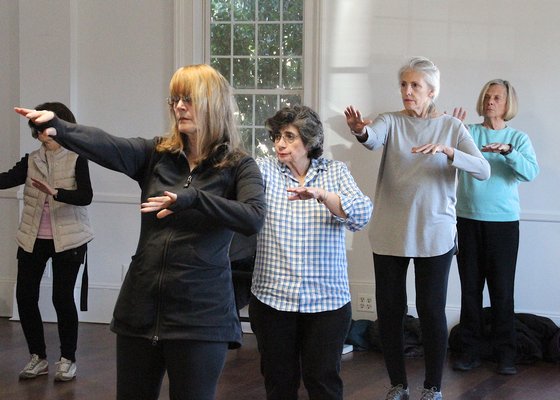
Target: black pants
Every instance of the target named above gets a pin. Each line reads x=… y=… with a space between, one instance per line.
x=488 y=253
x=300 y=345
x=431 y=276
x=193 y=368
x=65 y=267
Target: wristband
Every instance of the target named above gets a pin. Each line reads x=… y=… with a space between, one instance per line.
x=505 y=153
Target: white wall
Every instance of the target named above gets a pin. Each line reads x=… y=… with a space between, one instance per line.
x=365 y=42
x=9 y=150
x=111 y=62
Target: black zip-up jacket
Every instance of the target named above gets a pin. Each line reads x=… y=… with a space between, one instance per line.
x=179 y=282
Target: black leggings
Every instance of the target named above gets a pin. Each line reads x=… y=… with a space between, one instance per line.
x=431 y=275
x=193 y=368
x=65 y=267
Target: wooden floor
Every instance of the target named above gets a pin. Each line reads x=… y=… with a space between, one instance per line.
x=363 y=373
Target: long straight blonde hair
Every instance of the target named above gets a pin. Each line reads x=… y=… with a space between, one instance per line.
x=215 y=112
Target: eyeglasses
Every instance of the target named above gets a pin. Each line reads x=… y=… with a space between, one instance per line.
x=174 y=100
x=289 y=137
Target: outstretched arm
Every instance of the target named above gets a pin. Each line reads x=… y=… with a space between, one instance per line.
x=126 y=155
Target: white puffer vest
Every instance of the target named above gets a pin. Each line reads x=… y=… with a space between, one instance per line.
x=70 y=224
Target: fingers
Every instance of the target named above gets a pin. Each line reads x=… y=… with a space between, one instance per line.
x=23 y=111
x=158 y=203
x=163 y=213
x=37 y=116
x=172 y=196
x=459 y=113
x=428 y=148
x=495 y=147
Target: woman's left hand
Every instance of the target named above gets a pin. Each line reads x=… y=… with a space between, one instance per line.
x=431 y=148
x=43 y=186
x=160 y=204
x=306 y=193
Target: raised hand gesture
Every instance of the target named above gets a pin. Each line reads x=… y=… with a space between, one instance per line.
x=355 y=122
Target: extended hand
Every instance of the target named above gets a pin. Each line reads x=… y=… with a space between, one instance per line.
x=38 y=117
x=306 y=193
x=43 y=186
x=460 y=113
x=431 y=148
x=355 y=121
x=495 y=148
x=160 y=204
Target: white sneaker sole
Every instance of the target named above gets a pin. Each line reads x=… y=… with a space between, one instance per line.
x=31 y=376
x=64 y=378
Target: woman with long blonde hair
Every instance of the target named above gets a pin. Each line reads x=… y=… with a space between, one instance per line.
x=176 y=310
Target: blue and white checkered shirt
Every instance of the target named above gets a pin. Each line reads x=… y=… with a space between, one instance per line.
x=301 y=262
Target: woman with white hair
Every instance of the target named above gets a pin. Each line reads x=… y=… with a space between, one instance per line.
x=415 y=216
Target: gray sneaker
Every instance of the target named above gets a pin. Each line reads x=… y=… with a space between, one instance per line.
x=397 y=393
x=35 y=367
x=431 y=394
x=65 y=370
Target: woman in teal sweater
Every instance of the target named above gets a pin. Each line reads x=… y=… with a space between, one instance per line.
x=488 y=227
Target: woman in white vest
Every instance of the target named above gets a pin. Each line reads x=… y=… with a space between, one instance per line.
x=54 y=225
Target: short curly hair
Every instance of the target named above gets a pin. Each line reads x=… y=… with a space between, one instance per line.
x=306 y=121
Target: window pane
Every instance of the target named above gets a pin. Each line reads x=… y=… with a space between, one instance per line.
x=244 y=40
x=269 y=10
x=243 y=73
x=223 y=65
x=265 y=107
x=263 y=144
x=288 y=101
x=244 y=10
x=292 y=39
x=258 y=46
x=269 y=40
x=247 y=139
x=245 y=105
x=220 y=10
x=293 y=10
x=220 y=39
x=268 y=73
x=292 y=71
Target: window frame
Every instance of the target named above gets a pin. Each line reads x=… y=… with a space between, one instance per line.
x=191 y=41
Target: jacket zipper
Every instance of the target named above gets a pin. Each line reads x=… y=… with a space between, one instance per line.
x=155 y=337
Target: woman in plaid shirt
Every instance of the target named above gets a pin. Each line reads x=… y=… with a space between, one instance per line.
x=300 y=310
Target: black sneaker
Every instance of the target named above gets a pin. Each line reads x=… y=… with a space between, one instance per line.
x=466 y=362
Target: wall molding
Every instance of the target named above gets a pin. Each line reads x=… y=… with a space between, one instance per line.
x=121 y=198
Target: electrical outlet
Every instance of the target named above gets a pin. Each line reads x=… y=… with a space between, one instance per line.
x=365 y=302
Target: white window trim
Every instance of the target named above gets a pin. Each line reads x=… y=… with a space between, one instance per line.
x=191 y=35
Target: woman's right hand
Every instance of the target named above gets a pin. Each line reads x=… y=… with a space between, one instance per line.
x=355 y=122
x=38 y=117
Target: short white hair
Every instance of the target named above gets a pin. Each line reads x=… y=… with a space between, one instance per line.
x=426 y=67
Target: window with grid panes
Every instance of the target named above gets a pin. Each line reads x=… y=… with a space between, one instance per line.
x=258 y=46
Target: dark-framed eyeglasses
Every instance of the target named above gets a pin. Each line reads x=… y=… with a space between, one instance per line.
x=174 y=100
x=288 y=137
